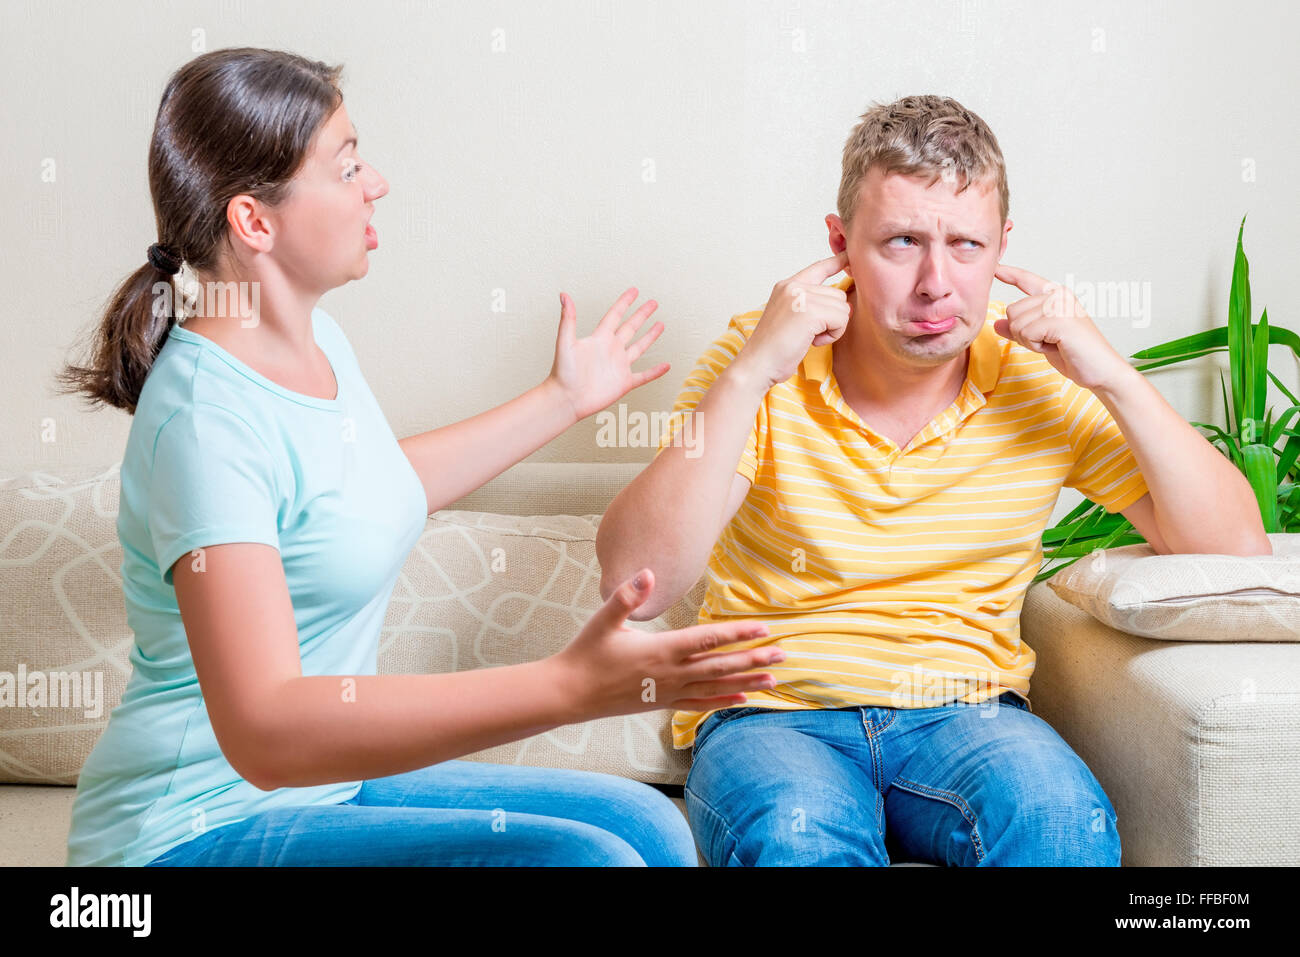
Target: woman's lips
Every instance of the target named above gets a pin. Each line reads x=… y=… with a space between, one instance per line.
x=372 y=237
x=942 y=325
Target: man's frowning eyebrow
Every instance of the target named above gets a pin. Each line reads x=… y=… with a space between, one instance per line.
x=352 y=141
x=889 y=230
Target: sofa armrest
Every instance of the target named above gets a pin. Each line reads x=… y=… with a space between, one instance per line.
x=1195 y=743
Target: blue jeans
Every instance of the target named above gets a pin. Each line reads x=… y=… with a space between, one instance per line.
x=466 y=813
x=957 y=784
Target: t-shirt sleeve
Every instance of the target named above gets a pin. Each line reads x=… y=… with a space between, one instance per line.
x=213 y=482
x=682 y=430
x=1104 y=469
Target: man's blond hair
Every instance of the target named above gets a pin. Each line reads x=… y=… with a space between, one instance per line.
x=922 y=135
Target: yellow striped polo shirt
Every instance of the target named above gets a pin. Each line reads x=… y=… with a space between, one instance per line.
x=894 y=577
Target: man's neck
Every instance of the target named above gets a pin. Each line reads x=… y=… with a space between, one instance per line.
x=868 y=380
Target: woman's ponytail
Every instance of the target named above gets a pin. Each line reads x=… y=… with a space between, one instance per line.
x=132 y=330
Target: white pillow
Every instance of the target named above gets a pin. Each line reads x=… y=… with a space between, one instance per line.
x=1190 y=597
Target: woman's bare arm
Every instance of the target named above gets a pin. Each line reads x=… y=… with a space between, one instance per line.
x=484 y=446
x=279 y=728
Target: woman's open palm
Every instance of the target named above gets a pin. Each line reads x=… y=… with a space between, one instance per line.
x=594 y=371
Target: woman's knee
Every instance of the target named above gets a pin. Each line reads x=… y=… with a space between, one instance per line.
x=589 y=846
x=647 y=819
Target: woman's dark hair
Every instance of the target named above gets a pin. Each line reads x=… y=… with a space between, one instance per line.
x=231 y=122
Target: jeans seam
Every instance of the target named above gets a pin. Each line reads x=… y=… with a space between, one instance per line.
x=952 y=798
x=725 y=826
x=877 y=772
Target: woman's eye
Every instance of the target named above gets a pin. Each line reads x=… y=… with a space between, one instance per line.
x=351 y=172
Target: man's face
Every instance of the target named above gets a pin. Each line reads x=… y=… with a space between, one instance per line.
x=920 y=253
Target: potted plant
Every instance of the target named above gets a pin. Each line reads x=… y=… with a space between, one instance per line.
x=1263 y=449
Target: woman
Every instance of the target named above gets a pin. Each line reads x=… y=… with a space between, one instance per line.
x=266 y=510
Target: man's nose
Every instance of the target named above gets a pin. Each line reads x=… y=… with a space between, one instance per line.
x=933 y=282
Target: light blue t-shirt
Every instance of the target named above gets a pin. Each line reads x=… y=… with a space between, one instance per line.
x=218 y=453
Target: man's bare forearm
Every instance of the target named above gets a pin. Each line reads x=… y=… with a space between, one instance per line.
x=330 y=728
x=1203 y=504
x=670 y=516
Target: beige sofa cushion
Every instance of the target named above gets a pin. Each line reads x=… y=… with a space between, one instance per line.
x=478 y=590
x=1190 y=597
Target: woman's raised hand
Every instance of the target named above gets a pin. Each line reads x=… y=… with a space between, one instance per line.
x=610 y=669
x=594 y=371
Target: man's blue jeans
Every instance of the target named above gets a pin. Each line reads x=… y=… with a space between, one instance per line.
x=957 y=784
x=466 y=813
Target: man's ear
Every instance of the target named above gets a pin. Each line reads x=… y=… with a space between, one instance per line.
x=838 y=237
x=1006 y=233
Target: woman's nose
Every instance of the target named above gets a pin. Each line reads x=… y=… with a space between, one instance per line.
x=377 y=185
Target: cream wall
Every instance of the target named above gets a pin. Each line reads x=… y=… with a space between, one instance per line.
x=1130 y=130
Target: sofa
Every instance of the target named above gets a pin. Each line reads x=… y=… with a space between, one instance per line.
x=1199 y=772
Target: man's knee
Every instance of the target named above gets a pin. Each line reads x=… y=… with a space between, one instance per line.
x=1069 y=823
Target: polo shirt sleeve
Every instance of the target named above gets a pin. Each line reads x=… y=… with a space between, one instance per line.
x=707 y=369
x=212 y=482
x=1104 y=468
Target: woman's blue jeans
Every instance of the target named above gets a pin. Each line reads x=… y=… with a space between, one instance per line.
x=957 y=784
x=465 y=813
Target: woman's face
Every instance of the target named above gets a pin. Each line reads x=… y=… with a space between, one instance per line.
x=323 y=238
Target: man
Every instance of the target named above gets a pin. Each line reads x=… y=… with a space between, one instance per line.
x=873 y=467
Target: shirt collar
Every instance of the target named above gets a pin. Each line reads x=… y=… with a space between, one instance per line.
x=985 y=352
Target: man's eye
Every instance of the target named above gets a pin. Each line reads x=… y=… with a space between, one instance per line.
x=973 y=242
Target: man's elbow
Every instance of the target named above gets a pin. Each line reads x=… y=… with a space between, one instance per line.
x=1249 y=548
x=1254 y=547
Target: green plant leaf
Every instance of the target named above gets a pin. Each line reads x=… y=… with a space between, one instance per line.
x=1216 y=338
x=1290 y=452
x=1260 y=469
x=1257 y=384
x=1239 y=359
x=1279 y=427
x=1213 y=340
x=1234 y=451
x=1285 y=391
x=1290 y=510
x=1144 y=366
